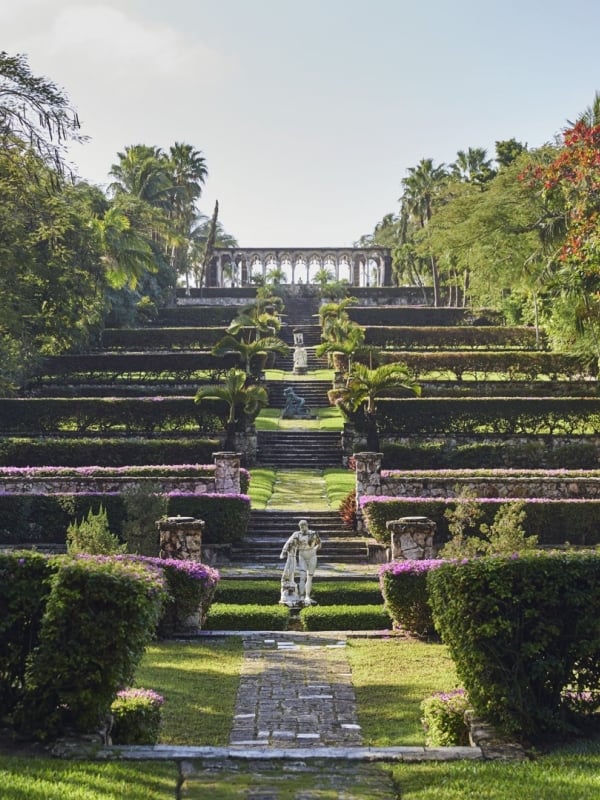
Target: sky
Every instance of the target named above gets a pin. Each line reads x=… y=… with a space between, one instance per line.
x=309 y=112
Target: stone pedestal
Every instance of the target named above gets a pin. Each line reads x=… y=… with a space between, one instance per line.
x=412 y=538
x=180 y=538
x=368 y=480
x=227 y=472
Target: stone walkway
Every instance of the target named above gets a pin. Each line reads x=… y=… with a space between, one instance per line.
x=295 y=691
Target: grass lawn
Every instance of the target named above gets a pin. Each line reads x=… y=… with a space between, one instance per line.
x=327 y=419
x=199 y=682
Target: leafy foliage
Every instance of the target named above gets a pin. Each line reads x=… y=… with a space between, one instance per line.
x=92 y=535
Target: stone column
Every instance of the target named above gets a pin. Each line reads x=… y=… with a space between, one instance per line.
x=227 y=473
x=412 y=538
x=368 y=480
x=181 y=538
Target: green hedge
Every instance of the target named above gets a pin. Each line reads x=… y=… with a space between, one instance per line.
x=247 y=617
x=198 y=316
x=161 y=338
x=99 y=617
x=44 y=519
x=404 y=588
x=442 y=338
x=524 y=634
x=496 y=415
x=475 y=455
x=555 y=522
x=345 y=618
x=83 y=452
x=326 y=593
x=137 y=366
x=422 y=316
x=136 y=717
x=515 y=364
x=106 y=416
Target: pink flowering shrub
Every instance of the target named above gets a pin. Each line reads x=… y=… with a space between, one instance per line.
x=136 y=716
x=404 y=588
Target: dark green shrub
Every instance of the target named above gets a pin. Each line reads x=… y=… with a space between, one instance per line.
x=404 y=588
x=444 y=719
x=342 y=618
x=248 y=592
x=447 y=338
x=346 y=593
x=100 y=615
x=136 y=716
x=225 y=515
x=232 y=617
x=144 y=505
x=24 y=589
x=83 y=452
x=521 y=631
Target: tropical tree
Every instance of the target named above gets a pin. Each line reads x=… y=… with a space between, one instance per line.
x=253 y=353
x=34 y=111
x=244 y=401
x=365 y=386
x=421 y=187
x=472 y=166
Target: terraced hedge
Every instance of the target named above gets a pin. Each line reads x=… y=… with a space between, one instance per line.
x=496 y=415
x=161 y=338
x=110 y=416
x=138 y=365
x=449 y=338
x=197 y=316
x=422 y=316
x=514 y=365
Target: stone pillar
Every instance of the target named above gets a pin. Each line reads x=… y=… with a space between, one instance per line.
x=227 y=473
x=368 y=480
x=180 y=538
x=412 y=538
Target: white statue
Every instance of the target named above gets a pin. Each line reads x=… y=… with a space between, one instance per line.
x=300 y=360
x=301 y=551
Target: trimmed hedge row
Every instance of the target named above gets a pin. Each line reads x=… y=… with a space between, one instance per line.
x=555 y=522
x=105 y=416
x=481 y=415
x=441 y=338
x=544 y=452
x=197 y=316
x=326 y=593
x=524 y=634
x=515 y=365
x=345 y=618
x=141 y=365
x=422 y=316
x=247 y=617
x=44 y=519
x=161 y=338
x=82 y=452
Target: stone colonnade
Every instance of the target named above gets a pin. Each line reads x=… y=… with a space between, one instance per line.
x=359 y=266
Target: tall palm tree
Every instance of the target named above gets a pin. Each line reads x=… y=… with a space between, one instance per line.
x=141 y=171
x=473 y=166
x=420 y=189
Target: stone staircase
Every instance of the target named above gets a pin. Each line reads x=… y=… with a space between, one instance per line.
x=269 y=530
x=300 y=449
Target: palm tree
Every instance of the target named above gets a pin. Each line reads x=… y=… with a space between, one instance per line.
x=142 y=172
x=420 y=189
x=126 y=252
x=253 y=353
x=473 y=166
x=243 y=401
x=365 y=386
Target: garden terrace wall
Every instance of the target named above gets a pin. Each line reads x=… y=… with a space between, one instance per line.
x=447 y=338
x=489 y=415
x=197 y=316
x=475 y=452
x=421 y=316
x=392 y=295
x=514 y=365
x=140 y=365
x=111 y=416
x=161 y=338
x=507 y=388
x=82 y=452
x=211 y=294
x=555 y=522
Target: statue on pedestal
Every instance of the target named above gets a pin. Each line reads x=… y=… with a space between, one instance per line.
x=301 y=552
x=295 y=406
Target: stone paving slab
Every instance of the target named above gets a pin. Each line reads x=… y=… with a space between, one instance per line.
x=295 y=690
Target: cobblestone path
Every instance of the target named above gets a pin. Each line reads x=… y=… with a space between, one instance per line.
x=295 y=691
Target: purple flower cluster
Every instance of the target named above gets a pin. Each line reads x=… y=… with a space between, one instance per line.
x=143 y=694
x=490 y=473
x=482 y=500
x=96 y=471
x=448 y=697
x=412 y=567
x=193 y=569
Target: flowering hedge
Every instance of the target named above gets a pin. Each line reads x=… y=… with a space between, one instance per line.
x=404 y=588
x=444 y=719
x=136 y=716
x=553 y=521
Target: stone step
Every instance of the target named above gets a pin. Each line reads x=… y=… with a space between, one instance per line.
x=313 y=392
x=309 y=449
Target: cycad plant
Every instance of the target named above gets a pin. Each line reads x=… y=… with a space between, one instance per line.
x=365 y=386
x=244 y=401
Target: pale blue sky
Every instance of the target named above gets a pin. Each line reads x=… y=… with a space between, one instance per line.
x=309 y=112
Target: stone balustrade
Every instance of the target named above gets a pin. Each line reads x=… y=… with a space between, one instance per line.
x=412 y=538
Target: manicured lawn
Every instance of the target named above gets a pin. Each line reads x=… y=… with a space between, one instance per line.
x=327 y=419
x=199 y=682
x=339 y=483
x=50 y=779
x=262 y=480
